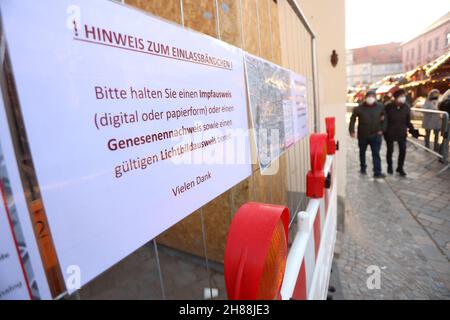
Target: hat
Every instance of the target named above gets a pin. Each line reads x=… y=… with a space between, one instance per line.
x=370 y=93
x=399 y=92
x=433 y=94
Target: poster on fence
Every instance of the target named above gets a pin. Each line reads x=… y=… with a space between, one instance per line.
x=22 y=273
x=299 y=106
x=133 y=123
x=278 y=107
x=13 y=284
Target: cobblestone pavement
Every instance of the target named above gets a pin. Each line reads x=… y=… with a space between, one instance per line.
x=426 y=194
x=399 y=225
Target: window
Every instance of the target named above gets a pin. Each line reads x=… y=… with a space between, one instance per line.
x=419 y=51
x=436 y=43
x=447 y=40
x=407 y=55
x=412 y=53
x=430 y=45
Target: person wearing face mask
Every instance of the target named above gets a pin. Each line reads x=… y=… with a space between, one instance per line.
x=432 y=121
x=398 y=121
x=370 y=115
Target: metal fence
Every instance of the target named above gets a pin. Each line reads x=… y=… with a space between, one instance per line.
x=438 y=137
x=157 y=270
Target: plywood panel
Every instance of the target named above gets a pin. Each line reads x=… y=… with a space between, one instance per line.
x=283 y=180
x=200 y=15
x=218 y=215
x=283 y=27
x=275 y=188
x=259 y=187
x=264 y=29
x=240 y=194
x=275 y=26
x=217 y=219
x=167 y=9
x=230 y=22
x=250 y=26
x=186 y=235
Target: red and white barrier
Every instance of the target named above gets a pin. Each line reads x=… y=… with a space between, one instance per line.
x=309 y=260
x=256 y=266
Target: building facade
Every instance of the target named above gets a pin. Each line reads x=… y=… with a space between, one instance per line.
x=428 y=45
x=369 y=64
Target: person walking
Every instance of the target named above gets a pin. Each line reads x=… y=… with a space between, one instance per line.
x=387 y=98
x=370 y=115
x=444 y=105
x=432 y=121
x=398 y=121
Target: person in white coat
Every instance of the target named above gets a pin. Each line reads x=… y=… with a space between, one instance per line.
x=432 y=121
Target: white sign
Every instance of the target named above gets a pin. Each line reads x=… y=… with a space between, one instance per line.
x=299 y=106
x=278 y=106
x=133 y=122
x=13 y=285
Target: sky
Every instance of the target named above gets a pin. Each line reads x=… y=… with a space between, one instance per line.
x=371 y=22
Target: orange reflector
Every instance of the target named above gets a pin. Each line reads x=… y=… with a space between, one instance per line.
x=274 y=266
x=256 y=252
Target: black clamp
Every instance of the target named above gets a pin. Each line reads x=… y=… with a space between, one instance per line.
x=328 y=181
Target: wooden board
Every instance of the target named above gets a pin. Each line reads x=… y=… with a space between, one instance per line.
x=167 y=9
x=230 y=22
x=200 y=15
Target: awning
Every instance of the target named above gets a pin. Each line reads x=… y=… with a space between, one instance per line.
x=414 y=83
x=386 y=89
x=436 y=64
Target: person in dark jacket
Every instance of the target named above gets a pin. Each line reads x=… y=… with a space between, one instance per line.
x=370 y=115
x=398 y=121
x=444 y=105
x=387 y=98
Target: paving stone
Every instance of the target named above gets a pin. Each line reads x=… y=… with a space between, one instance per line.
x=430 y=218
x=381 y=229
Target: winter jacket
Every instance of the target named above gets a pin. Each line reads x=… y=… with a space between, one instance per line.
x=445 y=106
x=370 y=120
x=431 y=120
x=398 y=121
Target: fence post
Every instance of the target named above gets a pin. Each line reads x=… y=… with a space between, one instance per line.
x=445 y=136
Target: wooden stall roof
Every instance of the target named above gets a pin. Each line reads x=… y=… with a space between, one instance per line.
x=439 y=65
